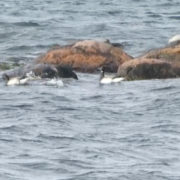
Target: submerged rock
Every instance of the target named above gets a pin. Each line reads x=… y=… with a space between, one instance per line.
x=144 y=68
x=87 y=56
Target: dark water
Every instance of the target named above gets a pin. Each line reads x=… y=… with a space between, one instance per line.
x=83 y=131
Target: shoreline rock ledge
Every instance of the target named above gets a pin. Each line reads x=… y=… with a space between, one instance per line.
x=87 y=56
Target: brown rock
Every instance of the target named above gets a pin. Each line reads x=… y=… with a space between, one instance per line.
x=148 y=69
x=170 y=54
x=87 y=56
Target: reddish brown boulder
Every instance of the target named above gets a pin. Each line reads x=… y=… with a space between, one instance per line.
x=158 y=63
x=144 y=68
x=87 y=56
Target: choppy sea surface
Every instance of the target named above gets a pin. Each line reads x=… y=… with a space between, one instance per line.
x=84 y=131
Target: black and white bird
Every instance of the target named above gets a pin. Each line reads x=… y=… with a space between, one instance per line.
x=11 y=81
x=104 y=79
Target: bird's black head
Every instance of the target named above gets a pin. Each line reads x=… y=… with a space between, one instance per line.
x=5 y=77
x=102 y=70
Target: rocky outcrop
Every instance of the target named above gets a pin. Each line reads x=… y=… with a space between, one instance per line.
x=87 y=56
x=144 y=68
x=158 y=63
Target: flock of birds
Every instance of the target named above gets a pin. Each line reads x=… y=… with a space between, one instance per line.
x=12 y=81
x=104 y=79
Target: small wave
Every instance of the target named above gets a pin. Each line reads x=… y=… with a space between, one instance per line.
x=6 y=35
x=27 y=24
x=22 y=106
x=167 y=128
x=31 y=140
x=167 y=4
x=92 y=97
x=150 y=22
x=77 y=163
x=175 y=17
x=164 y=88
x=11 y=128
x=61 y=99
x=34 y=165
x=53 y=137
x=38 y=46
x=105 y=3
x=114 y=13
x=49 y=46
x=155 y=15
x=45 y=102
x=15 y=48
x=67 y=109
x=6 y=140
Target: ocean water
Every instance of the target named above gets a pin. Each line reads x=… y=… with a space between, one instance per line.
x=84 y=131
